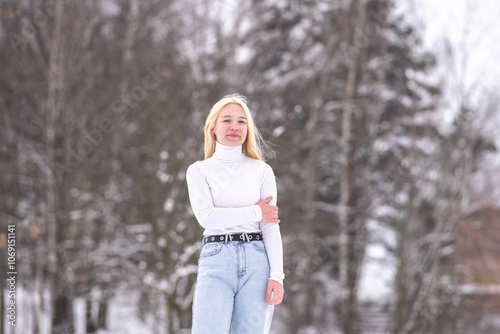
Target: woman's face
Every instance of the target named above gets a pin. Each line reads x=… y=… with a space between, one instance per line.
x=231 y=125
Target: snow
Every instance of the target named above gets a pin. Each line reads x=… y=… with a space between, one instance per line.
x=163 y=177
x=109 y=8
x=169 y=205
x=164 y=155
x=470 y=289
x=278 y=131
x=377 y=275
x=379 y=268
x=123 y=316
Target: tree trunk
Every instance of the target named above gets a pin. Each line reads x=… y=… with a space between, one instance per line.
x=55 y=83
x=169 y=307
x=89 y=319
x=348 y=283
x=62 y=321
x=310 y=213
x=39 y=296
x=102 y=312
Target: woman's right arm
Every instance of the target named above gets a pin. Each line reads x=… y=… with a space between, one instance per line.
x=203 y=207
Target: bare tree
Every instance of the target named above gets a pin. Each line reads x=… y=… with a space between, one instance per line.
x=437 y=197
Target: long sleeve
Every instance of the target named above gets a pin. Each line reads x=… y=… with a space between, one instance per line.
x=204 y=209
x=223 y=191
x=271 y=231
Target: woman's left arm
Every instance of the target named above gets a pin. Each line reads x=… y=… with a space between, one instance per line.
x=271 y=231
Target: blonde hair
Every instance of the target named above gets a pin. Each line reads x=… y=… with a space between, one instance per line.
x=252 y=146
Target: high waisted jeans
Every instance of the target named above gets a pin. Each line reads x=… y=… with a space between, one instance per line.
x=231 y=289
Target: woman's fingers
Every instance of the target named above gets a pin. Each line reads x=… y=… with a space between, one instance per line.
x=269 y=212
x=275 y=292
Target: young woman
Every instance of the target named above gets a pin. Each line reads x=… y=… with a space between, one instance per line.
x=233 y=196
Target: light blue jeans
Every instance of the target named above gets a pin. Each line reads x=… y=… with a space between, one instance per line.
x=230 y=294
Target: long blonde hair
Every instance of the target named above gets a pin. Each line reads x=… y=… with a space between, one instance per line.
x=252 y=146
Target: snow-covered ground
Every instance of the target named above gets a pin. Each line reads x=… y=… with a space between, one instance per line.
x=123 y=316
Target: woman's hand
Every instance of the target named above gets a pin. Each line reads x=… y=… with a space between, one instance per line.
x=269 y=212
x=275 y=291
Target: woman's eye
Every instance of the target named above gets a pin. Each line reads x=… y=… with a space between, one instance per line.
x=242 y=122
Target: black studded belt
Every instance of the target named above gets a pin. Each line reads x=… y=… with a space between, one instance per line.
x=233 y=237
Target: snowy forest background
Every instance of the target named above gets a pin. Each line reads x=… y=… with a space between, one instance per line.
x=381 y=146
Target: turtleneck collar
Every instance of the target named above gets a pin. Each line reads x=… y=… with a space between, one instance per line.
x=228 y=153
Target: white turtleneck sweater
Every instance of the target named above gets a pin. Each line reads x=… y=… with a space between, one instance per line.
x=224 y=190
